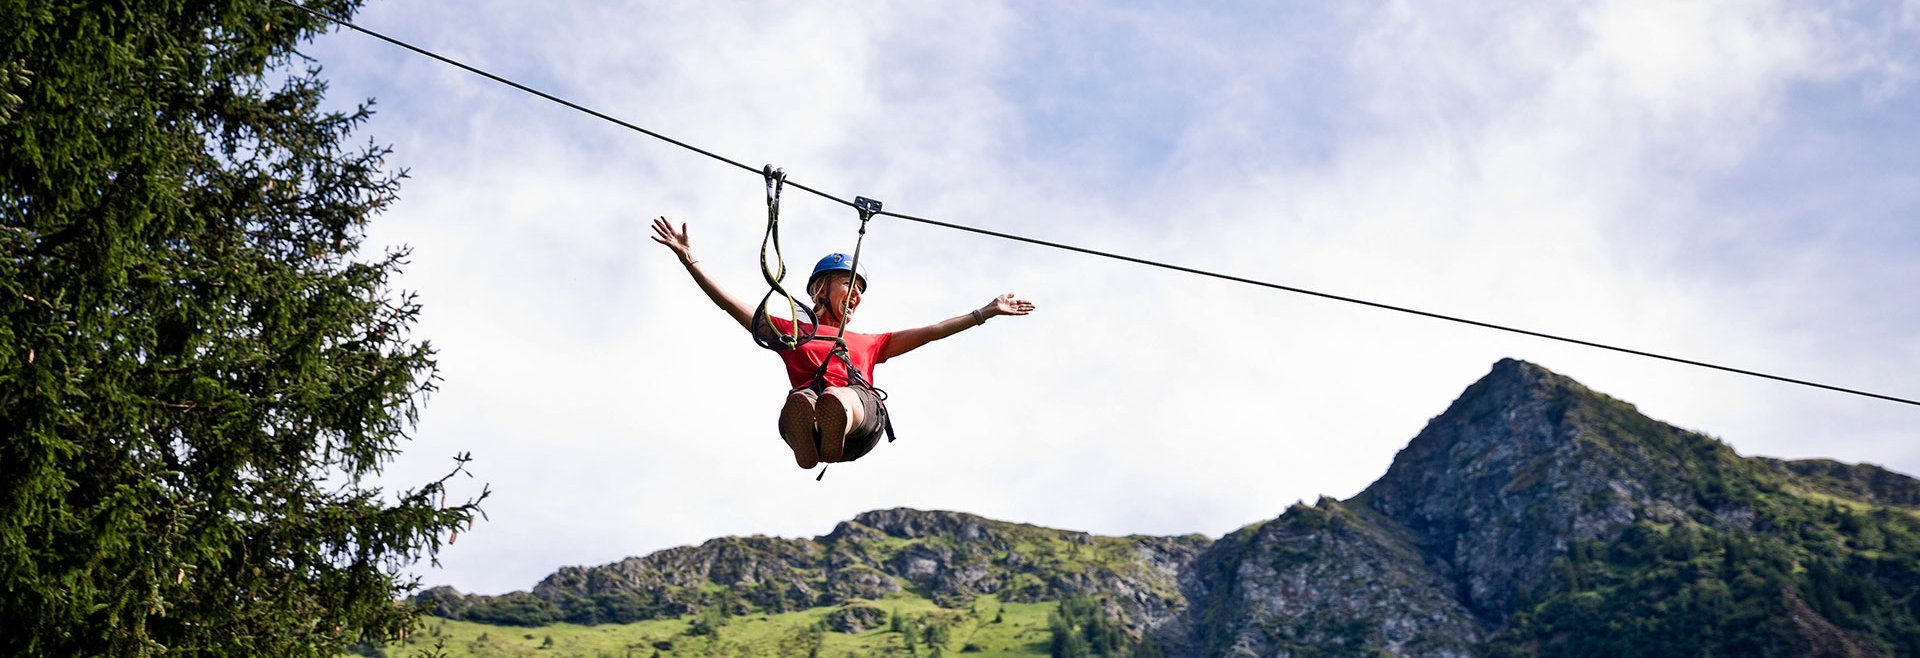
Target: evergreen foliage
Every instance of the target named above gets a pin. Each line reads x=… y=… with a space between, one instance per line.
x=708 y=622
x=514 y=609
x=1081 y=628
x=1692 y=589
x=197 y=370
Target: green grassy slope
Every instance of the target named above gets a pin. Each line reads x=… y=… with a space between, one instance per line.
x=988 y=629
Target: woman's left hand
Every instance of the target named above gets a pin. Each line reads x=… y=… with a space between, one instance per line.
x=1009 y=304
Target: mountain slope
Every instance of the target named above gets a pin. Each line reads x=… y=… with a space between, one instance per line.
x=1534 y=517
x=1330 y=579
x=1537 y=517
x=949 y=557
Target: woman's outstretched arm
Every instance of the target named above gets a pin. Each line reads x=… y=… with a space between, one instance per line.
x=663 y=233
x=907 y=340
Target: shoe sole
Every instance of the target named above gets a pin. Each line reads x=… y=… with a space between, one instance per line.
x=796 y=426
x=832 y=417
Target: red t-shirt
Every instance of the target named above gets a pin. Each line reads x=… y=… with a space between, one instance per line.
x=863 y=349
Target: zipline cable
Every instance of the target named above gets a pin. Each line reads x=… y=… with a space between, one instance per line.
x=1093 y=252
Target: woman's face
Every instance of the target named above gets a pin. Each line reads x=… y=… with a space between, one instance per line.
x=839 y=292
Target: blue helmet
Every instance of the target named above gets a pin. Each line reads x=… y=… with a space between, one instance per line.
x=837 y=263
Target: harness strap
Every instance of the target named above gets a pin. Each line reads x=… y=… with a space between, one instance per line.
x=764 y=332
x=868 y=208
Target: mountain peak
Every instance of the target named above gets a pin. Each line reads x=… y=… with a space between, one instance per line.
x=1519 y=401
x=1511 y=381
x=908 y=523
x=1512 y=367
x=1527 y=460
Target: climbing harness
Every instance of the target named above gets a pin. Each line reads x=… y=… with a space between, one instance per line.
x=805 y=326
x=854 y=379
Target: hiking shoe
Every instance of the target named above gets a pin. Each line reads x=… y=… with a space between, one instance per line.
x=833 y=418
x=796 y=427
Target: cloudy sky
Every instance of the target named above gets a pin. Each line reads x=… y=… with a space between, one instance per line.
x=1735 y=182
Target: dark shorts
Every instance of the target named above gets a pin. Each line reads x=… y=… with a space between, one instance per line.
x=873 y=423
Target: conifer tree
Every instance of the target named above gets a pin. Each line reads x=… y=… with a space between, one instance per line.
x=199 y=370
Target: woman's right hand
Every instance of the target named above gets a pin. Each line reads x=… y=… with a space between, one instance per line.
x=663 y=233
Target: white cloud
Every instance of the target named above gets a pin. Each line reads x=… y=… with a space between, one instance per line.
x=1521 y=163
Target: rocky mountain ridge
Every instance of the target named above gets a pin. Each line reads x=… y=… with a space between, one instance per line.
x=1533 y=517
x=950 y=557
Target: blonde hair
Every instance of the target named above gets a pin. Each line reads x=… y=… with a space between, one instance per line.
x=818 y=291
x=822 y=301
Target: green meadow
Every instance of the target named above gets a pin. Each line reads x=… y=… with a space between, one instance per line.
x=911 y=626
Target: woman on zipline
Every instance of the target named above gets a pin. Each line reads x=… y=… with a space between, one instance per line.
x=843 y=421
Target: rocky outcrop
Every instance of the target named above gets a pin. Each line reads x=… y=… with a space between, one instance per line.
x=1322 y=580
x=952 y=557
x=757 y=572
x=955 y=557
x=856 y=618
